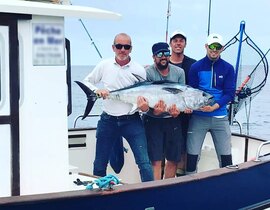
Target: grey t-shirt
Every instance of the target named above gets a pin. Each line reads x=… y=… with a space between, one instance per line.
x=176 y=74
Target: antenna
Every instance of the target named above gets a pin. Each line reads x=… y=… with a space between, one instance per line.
x=168 y=16
x=209 y=18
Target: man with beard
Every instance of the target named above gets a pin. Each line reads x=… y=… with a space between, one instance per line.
x=163 y=131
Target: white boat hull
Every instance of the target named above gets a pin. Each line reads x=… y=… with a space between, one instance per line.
x=82 y=156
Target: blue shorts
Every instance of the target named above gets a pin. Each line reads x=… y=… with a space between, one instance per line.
x=164 y=138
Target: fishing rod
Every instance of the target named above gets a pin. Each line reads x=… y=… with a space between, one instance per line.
x=249 y=76
x=92 y=41
x=168 y=16
x=245 y=91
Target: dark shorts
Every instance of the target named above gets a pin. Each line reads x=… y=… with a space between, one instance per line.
x=164 y=138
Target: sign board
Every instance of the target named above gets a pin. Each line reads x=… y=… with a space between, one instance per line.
x=48 y=44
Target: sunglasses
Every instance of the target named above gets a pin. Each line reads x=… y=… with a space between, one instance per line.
x=160 y=54
x=120 y=46
x=215 y=46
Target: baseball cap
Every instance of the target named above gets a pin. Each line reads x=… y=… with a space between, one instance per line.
x=179 y=33
x=160 y=47
x=214 y=38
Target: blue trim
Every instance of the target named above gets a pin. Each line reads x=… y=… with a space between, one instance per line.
x=242 y=30
x=232 y=190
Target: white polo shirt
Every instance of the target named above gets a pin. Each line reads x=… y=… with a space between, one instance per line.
x=113 y=76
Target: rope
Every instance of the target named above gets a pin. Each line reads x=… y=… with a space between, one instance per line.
x=104 y=183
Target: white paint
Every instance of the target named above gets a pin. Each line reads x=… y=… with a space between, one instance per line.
x=83 y=158
x=43 y=118
x=44 y=165
x=5 y=140
x=4 y=71
x=5 y=161
x=56 y=10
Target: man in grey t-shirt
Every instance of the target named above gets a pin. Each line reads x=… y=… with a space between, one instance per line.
x=163 y=132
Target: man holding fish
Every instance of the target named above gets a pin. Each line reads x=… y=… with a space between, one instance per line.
x=164 y=132
x=116 y=121
x=126 y=94
x=214 y=75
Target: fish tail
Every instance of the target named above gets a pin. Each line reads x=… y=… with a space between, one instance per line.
x=91 y=98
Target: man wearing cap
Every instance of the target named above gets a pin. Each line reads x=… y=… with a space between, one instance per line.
x=213 y=75
x=163 y=131
x=178 y=43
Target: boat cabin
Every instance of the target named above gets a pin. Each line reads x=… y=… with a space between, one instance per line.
x=35 y=94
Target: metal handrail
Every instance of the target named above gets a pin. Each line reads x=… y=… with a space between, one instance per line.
x=239 y=125
x=259 y=151
x=81 y=116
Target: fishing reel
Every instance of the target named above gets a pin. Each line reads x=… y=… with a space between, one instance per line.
x=244 y=93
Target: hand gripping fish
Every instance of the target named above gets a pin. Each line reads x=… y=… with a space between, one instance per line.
x=170 y=92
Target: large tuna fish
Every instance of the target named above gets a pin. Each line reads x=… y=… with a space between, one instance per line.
x=170 y=92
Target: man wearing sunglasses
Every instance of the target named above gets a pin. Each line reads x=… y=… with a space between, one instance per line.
x=115 y=121
x=164 y=133
x=213 y=75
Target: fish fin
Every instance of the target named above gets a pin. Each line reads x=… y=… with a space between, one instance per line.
x=139 y=78
x=172 y=90
x=91 y=98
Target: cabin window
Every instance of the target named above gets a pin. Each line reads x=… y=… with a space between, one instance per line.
x=3 y=55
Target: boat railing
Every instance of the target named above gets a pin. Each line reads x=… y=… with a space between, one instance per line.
x=81 y=116
x=258 y=153
x=235 y=122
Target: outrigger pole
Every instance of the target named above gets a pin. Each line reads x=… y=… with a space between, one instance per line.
x=168 y=16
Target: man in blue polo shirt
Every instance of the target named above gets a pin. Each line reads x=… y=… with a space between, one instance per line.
x=215 y=76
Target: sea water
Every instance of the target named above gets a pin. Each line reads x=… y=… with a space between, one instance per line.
x=258 y=112
x=79 y=100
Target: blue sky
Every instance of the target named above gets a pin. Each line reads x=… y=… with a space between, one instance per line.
x=145 y=21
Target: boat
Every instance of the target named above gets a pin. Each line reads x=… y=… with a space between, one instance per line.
x=241 y=186
x=43 y=163
x=34 y=49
